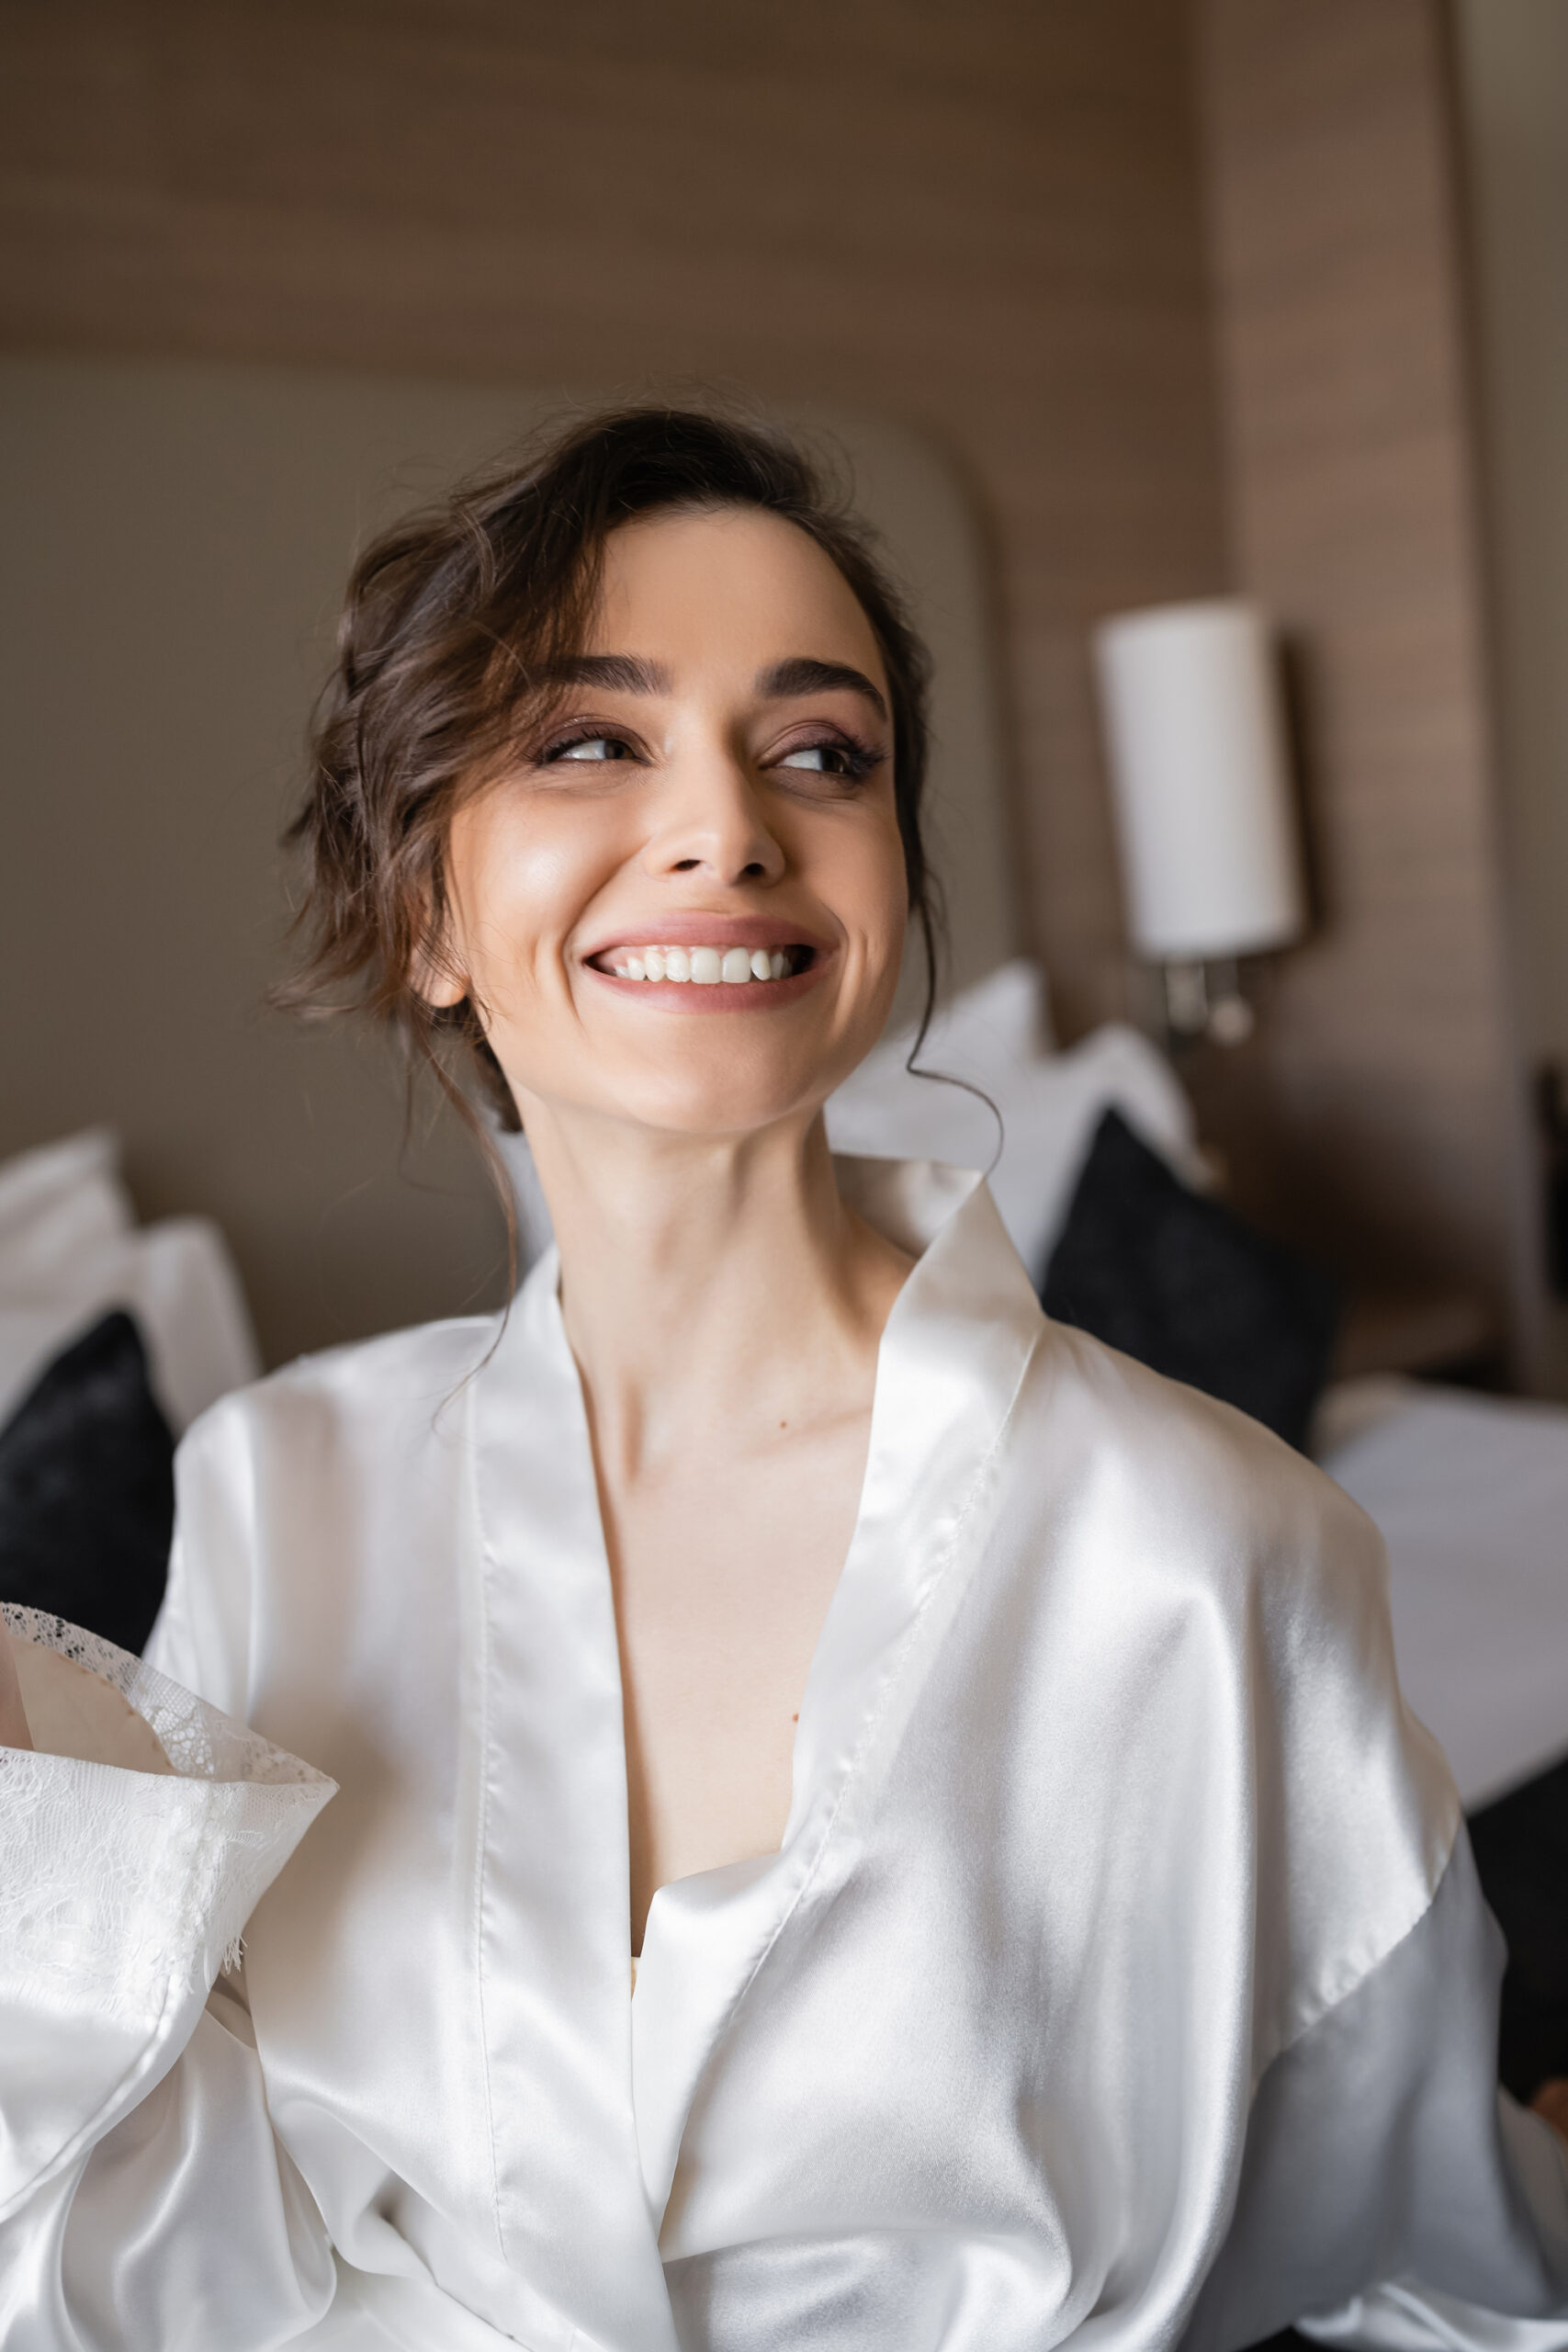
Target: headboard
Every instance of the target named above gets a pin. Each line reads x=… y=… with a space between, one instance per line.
x=177 y=536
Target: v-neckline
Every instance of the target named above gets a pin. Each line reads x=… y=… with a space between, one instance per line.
x=746 y=1869
x=935 y=1405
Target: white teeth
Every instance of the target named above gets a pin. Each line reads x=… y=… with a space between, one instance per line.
x=705 y=965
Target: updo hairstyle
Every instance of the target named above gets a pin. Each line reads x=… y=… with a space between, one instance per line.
x=453 y=623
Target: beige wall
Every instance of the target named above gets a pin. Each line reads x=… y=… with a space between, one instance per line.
x=986 y=222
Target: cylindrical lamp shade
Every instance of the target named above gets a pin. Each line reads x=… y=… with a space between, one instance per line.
x=1209 y=855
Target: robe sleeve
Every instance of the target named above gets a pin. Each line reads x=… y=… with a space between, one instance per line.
x=1392 y=2196
x=143 y=2199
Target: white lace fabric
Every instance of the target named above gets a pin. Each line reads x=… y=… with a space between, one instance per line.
x=119 y=1888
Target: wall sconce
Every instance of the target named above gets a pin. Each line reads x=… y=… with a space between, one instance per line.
x=1211 y=862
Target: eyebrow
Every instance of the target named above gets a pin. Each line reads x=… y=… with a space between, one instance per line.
x=802 y=675
x=626 y=674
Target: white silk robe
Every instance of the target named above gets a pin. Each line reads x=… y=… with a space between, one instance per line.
x=1122 y=1975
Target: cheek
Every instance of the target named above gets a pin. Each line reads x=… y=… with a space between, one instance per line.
x=871 y=887
x=520 y=882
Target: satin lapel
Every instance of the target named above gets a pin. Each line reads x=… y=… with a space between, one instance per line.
x=952 y=1355
x=555 y=1954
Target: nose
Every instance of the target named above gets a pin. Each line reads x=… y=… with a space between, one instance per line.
x=713 y=823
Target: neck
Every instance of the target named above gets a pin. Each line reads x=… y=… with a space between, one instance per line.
x=712 y=1289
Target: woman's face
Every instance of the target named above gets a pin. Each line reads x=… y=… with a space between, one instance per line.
x=713 y=797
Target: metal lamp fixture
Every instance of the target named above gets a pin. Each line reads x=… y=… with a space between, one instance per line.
x=1211 y=862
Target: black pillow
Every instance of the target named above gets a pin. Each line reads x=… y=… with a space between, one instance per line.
x=1182 y=1284
x=87 y=1490
x=1521 y=1855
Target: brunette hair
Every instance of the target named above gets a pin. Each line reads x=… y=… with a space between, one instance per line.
x=454 y=622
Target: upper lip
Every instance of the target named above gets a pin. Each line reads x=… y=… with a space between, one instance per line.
x=710 y=930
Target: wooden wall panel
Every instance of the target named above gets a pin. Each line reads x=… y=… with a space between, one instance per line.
x=984 y=221
x=1379 y=1112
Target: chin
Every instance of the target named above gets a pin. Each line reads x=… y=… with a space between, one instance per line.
x=701 y=1078
x=719 y=1107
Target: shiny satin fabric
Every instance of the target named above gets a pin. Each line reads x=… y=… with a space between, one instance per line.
x=1122 y=1975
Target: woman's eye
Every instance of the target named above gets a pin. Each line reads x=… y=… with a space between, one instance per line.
x=591 y=747
x=826 y=759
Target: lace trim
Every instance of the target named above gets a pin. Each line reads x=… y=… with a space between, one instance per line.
x=116 y=1885
x=200 y=1741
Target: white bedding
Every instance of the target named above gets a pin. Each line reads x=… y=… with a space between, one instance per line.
x=1471 y=1493
x=71 y=1250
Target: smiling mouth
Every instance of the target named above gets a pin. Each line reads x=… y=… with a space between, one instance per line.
x=706 y=967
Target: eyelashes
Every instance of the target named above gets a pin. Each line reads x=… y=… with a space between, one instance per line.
x=836 y=754
x=857 y=759
x=613 y=748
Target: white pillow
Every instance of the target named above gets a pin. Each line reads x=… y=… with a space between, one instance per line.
x=1049 y=1104
x=1001 y=1020
x=57 y=1202
x=180 y=1281
x=1470 y=1495
x=70 y=1251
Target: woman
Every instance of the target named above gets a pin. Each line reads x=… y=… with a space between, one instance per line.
x=1048 y=1917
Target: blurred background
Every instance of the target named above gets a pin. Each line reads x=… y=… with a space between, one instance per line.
x=1205 y=366
x=1106 y=303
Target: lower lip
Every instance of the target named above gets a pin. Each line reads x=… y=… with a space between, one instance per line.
x=716 y=996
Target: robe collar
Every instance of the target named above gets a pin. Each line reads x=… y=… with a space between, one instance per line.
x=590 y=2090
